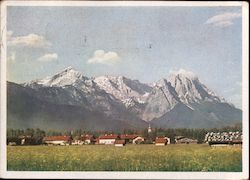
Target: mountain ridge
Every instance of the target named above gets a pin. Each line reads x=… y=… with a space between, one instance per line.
x=177 y=100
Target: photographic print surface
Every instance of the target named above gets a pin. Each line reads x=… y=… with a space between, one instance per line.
x=124 y=88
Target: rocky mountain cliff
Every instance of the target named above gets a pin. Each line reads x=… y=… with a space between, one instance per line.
x=71 y=100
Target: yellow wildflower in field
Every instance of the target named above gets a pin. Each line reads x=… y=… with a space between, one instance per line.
x=129 y=158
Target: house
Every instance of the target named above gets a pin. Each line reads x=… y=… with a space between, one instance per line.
x=168 y=139
x=225 y=143
x=138 y=140
x=57 y=140
x=12 y=141
x=120 y=142
x=215 y=139
x=161 y=141
x=77 y=142
x=218 y=144
x=12 y=144
x=108 y=138
x=29 y=140
x=237 y=143
x=132 y=138
x=128 y=137
x=97 y=141
x=88 y=139
x=184 y=140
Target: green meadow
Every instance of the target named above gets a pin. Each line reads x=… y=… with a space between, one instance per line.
x=188 y=157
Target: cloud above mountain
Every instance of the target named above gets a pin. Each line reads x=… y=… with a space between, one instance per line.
x=224 y=19
x=48 y=57
x=102 y=57
x=184 y=72
x=30 y=40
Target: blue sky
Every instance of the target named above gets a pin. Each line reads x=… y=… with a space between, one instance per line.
x=144 y=43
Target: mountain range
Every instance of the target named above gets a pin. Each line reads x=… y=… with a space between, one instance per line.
x=70 y=100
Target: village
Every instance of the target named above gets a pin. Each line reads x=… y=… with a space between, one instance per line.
x=120 y=140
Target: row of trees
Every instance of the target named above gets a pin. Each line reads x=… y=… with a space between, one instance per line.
x=198 y=134
x=27 y=132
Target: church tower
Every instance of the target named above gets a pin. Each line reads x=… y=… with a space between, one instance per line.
x=149 y=128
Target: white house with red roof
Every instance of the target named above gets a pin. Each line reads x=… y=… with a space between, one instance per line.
x=57 y=140
x=128 y=137
x=138 y=140
x=108 y=138
x=88 y=139
x=161 y=141
x=120 y=142
x=132 y=138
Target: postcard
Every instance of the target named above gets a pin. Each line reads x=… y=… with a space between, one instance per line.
x=124 y=90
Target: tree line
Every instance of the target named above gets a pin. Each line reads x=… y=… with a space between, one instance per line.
x=36 y=135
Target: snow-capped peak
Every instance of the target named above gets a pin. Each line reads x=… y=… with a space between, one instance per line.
x=184 y=73
x=68 y=68
x=67 y=76
x=123 y=88
x=189 y=88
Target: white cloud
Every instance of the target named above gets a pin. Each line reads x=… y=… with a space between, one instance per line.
x=48 y=57
x=102 y=57
x=224 y=19
x=30 y=40
x=184 y=72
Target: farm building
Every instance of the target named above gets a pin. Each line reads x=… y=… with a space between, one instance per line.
x=132 y=138
x=12 y=141
x=223 y=138
x=168 y=139
x=236 y=142
x=57 y=140
x=138 y=140
x=219 y=144
x=77 y=142
x=25 y=139
x=120 y=142
x=108 y=139
x=88 y=139
x=97 y=141
x=128 y=137
x=161 y=141
x=184 y=140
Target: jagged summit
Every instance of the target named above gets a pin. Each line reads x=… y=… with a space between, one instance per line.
x=68 y=68
x=190 y=89
x=179 y=100
x=67 y=76
x=123 y=88
x=182 y=73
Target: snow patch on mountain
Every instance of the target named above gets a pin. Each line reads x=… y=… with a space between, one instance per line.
x=184 y=73
x=124 y=89
x=68 y=76
x=190 y=89
x=181 y=92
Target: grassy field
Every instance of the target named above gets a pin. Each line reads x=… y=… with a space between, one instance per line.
x=129 y=158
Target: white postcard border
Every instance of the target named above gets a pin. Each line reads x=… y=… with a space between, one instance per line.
x=128 y=175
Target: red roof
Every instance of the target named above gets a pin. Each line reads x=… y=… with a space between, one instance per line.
x=128 y=136
x=108 y=136
x=57 y=138
x=161 y=140
x=88 y=137
x=119 y=141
